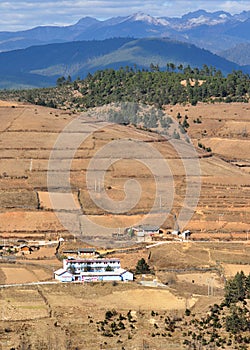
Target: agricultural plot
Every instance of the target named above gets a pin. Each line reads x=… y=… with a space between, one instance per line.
x=22 y=305
x=24 y=200
x=16 y=274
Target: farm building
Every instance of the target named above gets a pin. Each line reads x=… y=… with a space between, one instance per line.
x=145 y=232
x=147 y=229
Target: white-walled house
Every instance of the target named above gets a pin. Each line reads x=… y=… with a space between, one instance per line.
x=86 y=270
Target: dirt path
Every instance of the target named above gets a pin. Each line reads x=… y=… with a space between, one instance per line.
x=13 y=121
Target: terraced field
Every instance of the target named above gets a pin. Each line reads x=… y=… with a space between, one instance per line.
x=27 y=137
x=224 y=200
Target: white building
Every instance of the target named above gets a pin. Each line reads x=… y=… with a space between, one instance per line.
x=86 y=270
x=63 y=276
x=108 y=276
x=91 y=265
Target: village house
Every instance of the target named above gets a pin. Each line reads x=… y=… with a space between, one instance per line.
x=25 y=249
x=145 y=232
x=181 y=235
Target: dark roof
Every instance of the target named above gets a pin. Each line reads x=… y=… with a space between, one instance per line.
x=70 y=251
x=87 y=250
x=147 y=228
x=92 y=260
x=80 y=250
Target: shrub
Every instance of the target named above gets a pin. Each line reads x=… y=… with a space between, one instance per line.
x=108 y=315
x=187 y=312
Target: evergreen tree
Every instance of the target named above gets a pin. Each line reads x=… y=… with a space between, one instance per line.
x=237 y=320
x=247 y=286
x=235 y=289
x=142 y=266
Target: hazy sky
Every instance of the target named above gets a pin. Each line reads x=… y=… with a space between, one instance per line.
x=19 y=14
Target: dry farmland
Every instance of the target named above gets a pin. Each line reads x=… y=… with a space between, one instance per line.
x=28 y=134
x=70 y=316
x=191 y=274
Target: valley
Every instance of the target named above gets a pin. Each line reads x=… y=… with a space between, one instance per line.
x=151 y=310
x=29 y=133
x=125 y=175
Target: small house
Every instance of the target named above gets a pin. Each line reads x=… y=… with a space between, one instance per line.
x=185 y=234
x=146 y=232
x=25 y=249
x=147 y=229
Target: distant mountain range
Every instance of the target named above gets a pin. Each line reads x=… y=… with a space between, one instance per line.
x=215 y=31
x=37 y=57
x=239 y=54
x=39 y=66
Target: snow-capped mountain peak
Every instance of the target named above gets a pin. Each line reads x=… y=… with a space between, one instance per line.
x=223 y=15
x=203 y=17
x=207 y=20
x=142 y=17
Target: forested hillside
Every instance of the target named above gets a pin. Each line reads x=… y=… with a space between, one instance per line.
x=239 y=54
x=41 y=66
x=176 y=85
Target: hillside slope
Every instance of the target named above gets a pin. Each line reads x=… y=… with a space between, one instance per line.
x=28 y=135
x=41 y=65
x=239 y=54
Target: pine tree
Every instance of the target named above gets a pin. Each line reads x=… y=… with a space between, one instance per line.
x=142 y=266
x=235 y=289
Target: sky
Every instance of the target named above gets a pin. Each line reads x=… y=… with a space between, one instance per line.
x=20 y=15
